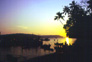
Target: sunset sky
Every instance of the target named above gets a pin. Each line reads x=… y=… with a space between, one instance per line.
x=31 y=16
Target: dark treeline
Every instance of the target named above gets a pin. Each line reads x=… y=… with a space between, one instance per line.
x=80 y=21
x=24 y=40
x=79 y=24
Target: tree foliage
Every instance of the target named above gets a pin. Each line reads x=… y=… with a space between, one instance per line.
x=80 y=20
x=59 y=16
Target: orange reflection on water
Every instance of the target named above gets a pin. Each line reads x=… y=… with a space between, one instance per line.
x=70 y=41
x=67 y=41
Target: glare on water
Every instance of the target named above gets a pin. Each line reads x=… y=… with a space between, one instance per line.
x=67 y=40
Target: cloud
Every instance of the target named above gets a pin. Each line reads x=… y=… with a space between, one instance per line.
x=22 y=27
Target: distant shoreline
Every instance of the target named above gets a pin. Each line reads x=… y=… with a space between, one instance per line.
x=42 y=36
x=51 y=36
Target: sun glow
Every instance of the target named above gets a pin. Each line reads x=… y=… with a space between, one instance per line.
x=67 y=40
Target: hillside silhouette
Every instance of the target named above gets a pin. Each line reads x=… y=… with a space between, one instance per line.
x=24 y=40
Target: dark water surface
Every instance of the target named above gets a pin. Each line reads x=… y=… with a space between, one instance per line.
x=24 y=54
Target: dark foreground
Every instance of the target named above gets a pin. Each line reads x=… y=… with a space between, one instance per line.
x=80 y=52
x=63 y=58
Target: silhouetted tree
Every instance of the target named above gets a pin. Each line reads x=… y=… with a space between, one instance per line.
x=75 y=13
x=90 y=4
x=59 y=16
x=78 y=23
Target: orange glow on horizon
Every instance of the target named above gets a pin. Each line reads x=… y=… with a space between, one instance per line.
x=49 y=30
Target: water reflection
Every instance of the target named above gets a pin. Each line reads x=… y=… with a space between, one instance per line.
x=25 y=54
x=59 y=40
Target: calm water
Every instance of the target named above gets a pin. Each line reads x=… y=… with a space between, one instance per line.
x=25 y=54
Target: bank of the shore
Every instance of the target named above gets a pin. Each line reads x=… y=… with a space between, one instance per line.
x=74 y=57
x=79 y=53
x=47 y=58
